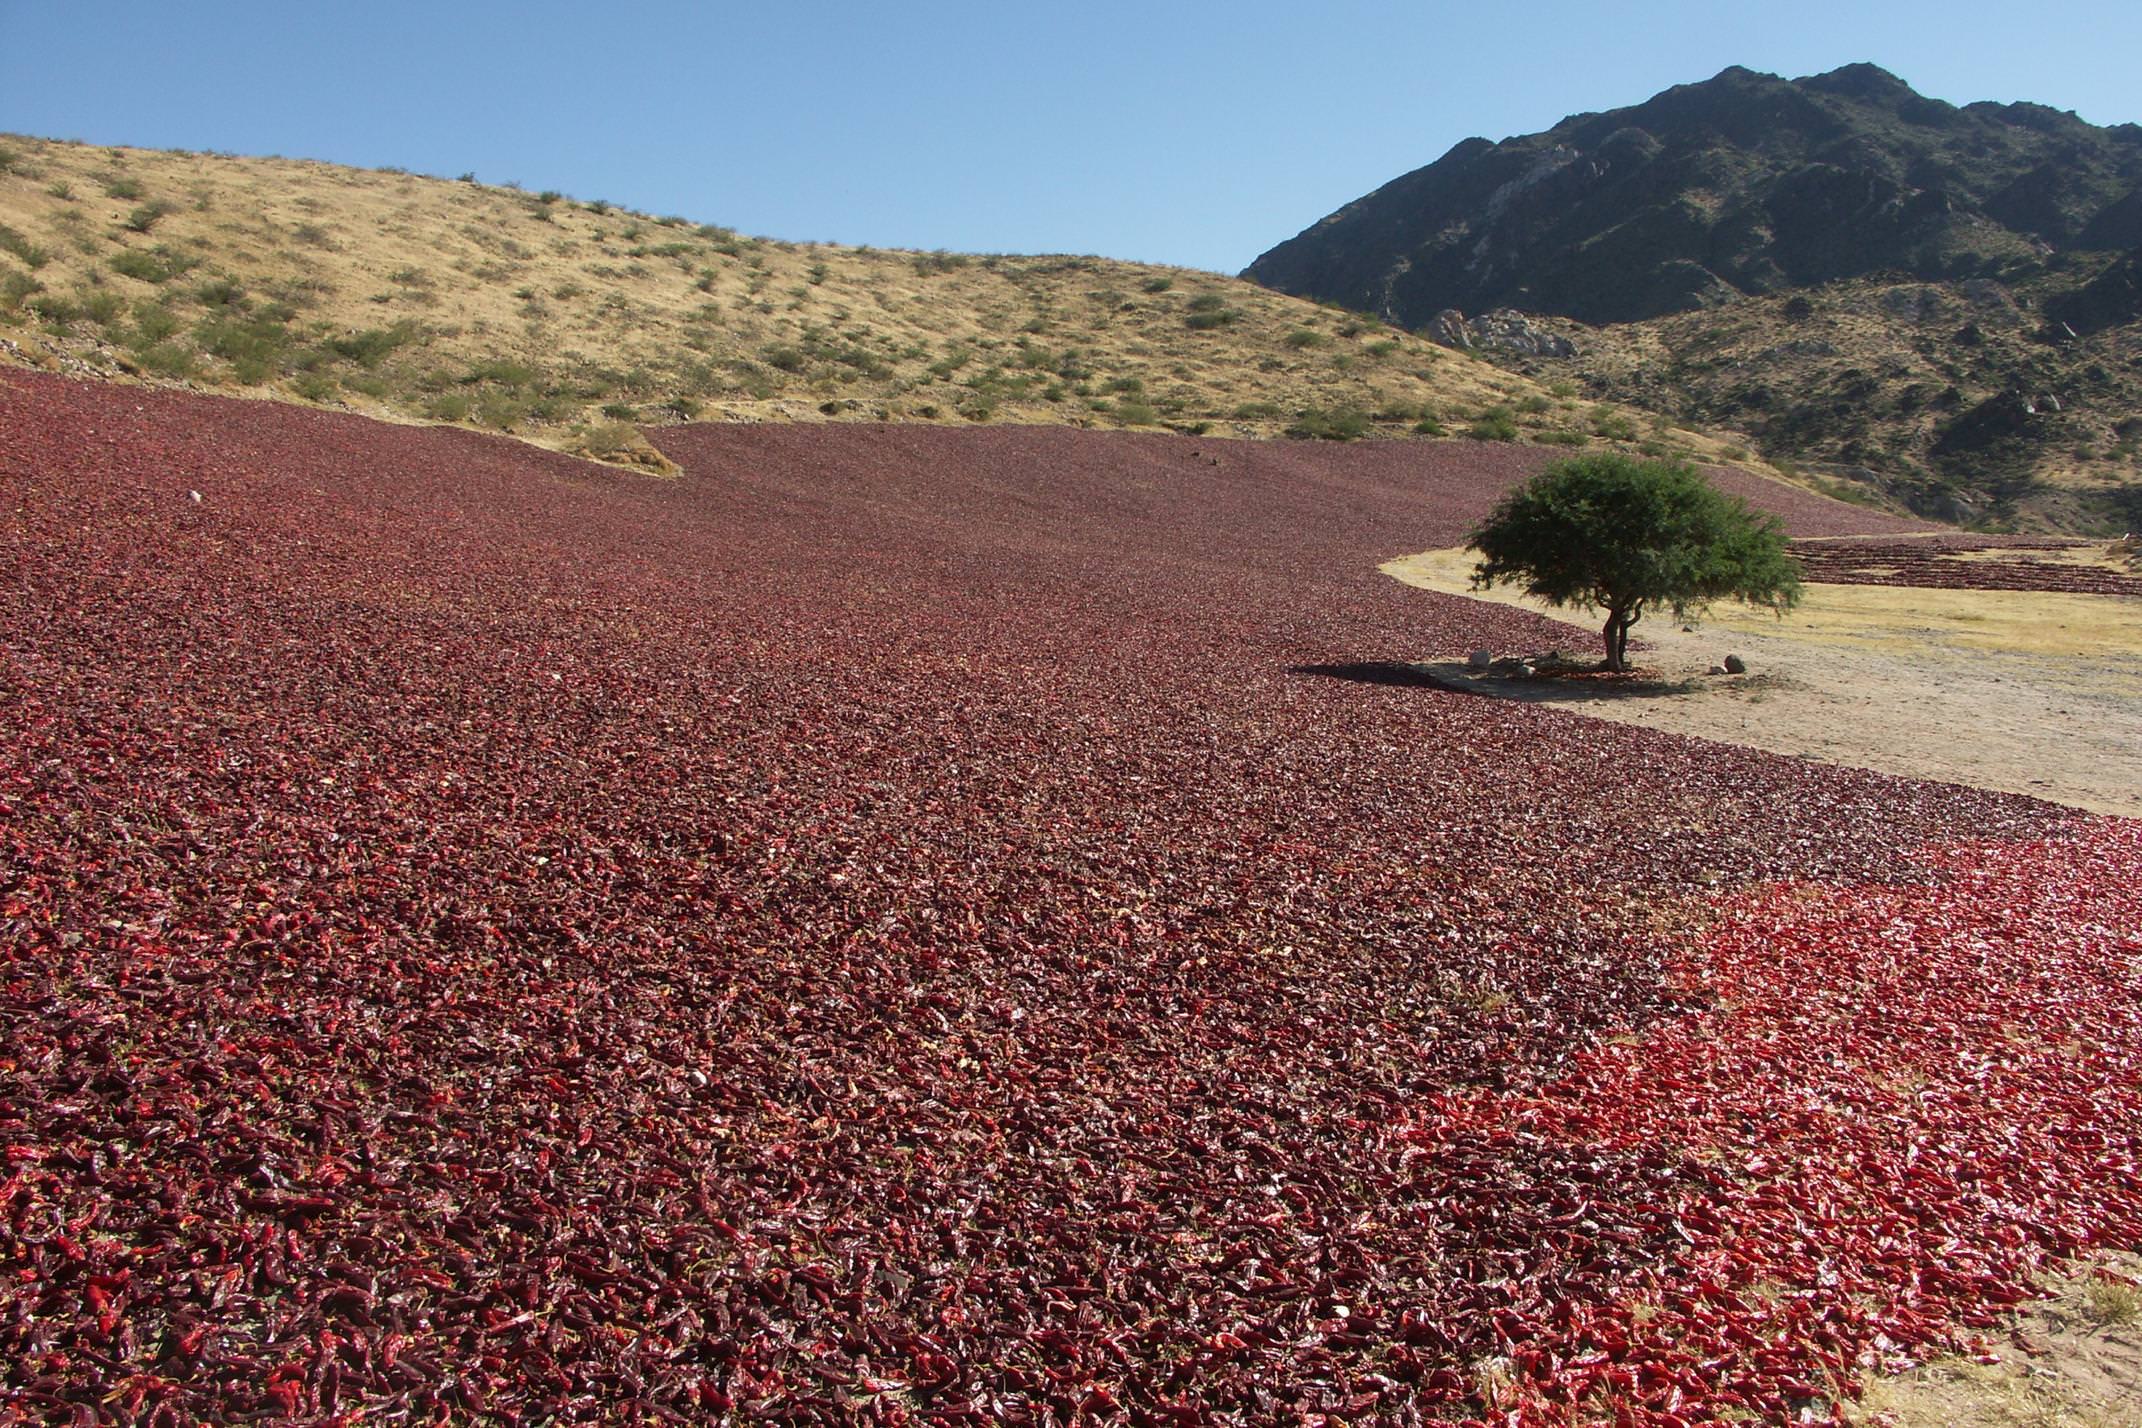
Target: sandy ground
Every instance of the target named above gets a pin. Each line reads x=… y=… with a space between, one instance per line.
x=2026 y=693
x=2074 y=1361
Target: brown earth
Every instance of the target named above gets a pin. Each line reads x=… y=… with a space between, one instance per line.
x=2074 y=1361
x=2021 y=691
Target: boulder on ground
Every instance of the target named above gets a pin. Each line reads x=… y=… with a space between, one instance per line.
x=1734 y=664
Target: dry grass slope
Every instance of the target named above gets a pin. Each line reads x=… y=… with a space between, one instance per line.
x=1859 y=382
x=572 y=323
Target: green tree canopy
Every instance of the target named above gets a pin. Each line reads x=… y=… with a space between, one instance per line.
x=1609 y=532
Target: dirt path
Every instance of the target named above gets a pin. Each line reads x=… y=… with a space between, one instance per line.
x=2022 y=692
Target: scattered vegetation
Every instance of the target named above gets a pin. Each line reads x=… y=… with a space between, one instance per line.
x=389 y=290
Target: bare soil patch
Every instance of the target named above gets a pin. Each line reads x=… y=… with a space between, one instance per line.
x=2020 y=691
x=2074 y=1361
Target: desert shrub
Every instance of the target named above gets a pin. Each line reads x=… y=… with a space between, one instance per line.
x=1337 y=424
x=1157 y=285
x=785 y=358
x=502 y=372
x=1532 y=405
x=1303 y=337
x=1207 y=302
x=142 y=219
x=1563 y=438
x=620 y=411
x=158 y=265
x=253 y=346
x=449 y=406
x=1205 y=319
x=1381 y=348
x=1612 y=426
x=1497 y=423
x=372 y=345
x=1130 y=386
x=153 y=323
x=1256 y=411
x=220 y=292
x=1132 y=413
x=123 y=188
x=312 y=235
x=166 y=359
x=102 y=308
x=1562 y=388
x=61 y=191
x=314 y=386
x=500 y=411
x=929 y=265
x=1428 y=426
x=54 y=310
x=13 y=242
x=9 y=159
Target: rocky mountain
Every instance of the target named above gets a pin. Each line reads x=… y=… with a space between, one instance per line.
x=1935 y=301
x=1744 y=184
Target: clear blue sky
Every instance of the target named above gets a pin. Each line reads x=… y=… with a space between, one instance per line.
x=1198 y=134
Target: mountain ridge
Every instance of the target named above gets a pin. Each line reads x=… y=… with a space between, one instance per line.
x=1744 y=183
x=1939 y=303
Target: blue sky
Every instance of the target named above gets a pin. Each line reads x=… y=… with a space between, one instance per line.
x=1198 y=134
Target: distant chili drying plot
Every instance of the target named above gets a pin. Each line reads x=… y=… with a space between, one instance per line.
x=910 y=927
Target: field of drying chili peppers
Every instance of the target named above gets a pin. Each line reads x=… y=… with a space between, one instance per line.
x=1955 y=561
x=917 y=926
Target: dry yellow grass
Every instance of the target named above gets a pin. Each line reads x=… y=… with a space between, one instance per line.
x=2019 y=691
x=568 y=322
x=2105 y=630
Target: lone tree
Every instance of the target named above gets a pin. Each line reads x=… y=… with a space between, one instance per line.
x=1609 y=532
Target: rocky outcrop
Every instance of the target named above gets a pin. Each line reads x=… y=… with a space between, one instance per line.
x=1502 y=331
x=2112 y=299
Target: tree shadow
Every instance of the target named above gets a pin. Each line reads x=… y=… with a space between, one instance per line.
x=1407 y=676
x=1570 y=684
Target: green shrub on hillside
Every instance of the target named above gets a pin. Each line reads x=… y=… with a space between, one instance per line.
x=1337 y=424
x=1497 y=423
x=13 y=242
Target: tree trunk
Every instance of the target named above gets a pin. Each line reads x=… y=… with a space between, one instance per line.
x=1617 y=636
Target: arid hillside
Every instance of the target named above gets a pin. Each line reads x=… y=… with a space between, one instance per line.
x=1966 y=401
x=571 y=323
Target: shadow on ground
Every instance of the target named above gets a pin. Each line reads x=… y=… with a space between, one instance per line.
x=1569 y=684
